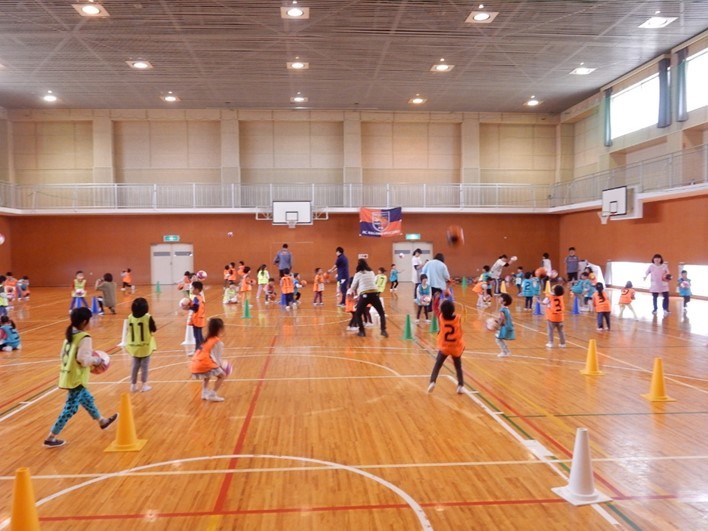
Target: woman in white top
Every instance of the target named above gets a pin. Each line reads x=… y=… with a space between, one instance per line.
x=416 y=266
x=364 y=287
x=659 y=282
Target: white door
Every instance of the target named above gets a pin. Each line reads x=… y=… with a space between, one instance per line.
x=403 y=254
x=169 y=261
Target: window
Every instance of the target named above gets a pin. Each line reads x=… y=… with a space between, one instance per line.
x=697 y=81
x=636 y=107
x=618 y=273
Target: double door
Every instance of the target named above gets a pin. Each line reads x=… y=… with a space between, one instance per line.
x=169 y=261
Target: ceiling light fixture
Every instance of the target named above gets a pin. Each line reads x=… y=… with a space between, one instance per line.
x=139 y=64
x=298 y=65
x=657 y=22
x=91 y=10
x=299 y=98
x=582 y=70
x=295 y=11
x=481 y=17
x=170 y=97
x=533 y=102
x=417 y=100
x=442 y=66
x=49 y=97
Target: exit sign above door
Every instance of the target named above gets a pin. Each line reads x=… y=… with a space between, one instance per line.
x=170 y=238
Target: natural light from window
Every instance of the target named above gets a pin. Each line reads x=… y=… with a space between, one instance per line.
x=697 y=81
x=618 y=273
x=636 y=107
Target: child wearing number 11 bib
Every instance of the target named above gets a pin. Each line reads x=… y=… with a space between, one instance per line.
x=140 y=343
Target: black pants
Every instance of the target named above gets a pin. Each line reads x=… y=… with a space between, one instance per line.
x=664 y=302
x=364 y=300
x=439 y=363
x=572 y=276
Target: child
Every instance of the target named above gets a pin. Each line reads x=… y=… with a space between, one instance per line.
x=350 y=307
x=76 y=359
x=287 y=288
x=380 y=281
x=555 y=314
x=270 y=293
x=506 y=326
x=423 y=298
x=78 y=294
x=527 y=290
x=518 y=279
x=108 y=293
x=23 y=287
x=393 y=278
x=486 y=278
x=480 y=288
x=450 y=343
x=685 y=289
x=127 y=278
x=602 y=306
x=262 y=277
x=197 y=317
x=4 y=303
x=11 y=287
x=588 y=290
x=9 y=337
x=246 y=284
x=206 y=362
x=231 y=294
x=140 y=343
x=626 y=298
x=227 y=274
x=185 y=286
x=297 y=285
x=318 y=287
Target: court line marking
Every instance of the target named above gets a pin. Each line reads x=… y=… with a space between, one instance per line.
x=410 y=502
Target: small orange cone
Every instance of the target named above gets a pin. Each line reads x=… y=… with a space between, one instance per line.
x=126 y=438
x=547 y=291
x=502 y=286
x=657 y=393
x=592 y=367
x=24 y=511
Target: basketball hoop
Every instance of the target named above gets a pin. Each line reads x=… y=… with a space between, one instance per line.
x=605 y=217
x=292 y=223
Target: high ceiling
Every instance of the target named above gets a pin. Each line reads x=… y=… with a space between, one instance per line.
x=362 y=54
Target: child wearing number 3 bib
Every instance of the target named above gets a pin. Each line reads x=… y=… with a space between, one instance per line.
x=140 y=343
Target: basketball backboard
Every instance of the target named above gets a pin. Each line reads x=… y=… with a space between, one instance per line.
x=292 y=213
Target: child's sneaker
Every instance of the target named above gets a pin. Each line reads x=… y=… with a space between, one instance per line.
x=460 y=389
x=431 y=387
x=107 y=422
x=7 y=349
x=562 y=345
x=213 y=397
x=53 y=442
x=549 y=345
x=133 y=388
x=145 y=388
x=206 y=393
x=384 y=333
x=502 y=355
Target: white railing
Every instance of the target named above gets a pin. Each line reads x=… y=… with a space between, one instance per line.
x=673 y=171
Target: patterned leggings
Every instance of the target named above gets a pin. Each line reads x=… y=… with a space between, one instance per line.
x=76 y=397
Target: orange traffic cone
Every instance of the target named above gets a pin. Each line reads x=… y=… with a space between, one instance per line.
x=657 y=393
x=581 y=487
x=126 y=438
x=24 y=511
x=592 y=367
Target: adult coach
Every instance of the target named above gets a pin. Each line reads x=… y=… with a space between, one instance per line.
x=658 y=272
x=416 y=266
x=364 y=287
x=496 y=272
x=438 y=275
x=284 y=260
x=341 y=266
x=572 y=263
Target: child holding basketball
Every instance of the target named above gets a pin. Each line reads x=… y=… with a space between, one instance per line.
x=9 y=337
x=207 y=363
x=393 y=278
x=76 y=360
x=140 y=343
x=685 y=289
x=602 y=306
x=450 y=343
x=78 y=294
x=555 y=314
x=423 y=298
x=318 y=287
x=197 y=318
x=287 y=288
x=626 y=298
x=506 y=326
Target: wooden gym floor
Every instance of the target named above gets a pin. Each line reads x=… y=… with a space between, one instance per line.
x=322 y=429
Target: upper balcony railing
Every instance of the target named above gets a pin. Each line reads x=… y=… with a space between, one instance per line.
x=673 y=171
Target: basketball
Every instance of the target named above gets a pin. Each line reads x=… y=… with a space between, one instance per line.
x=79 y=293
x=304 y=282
x=513 y=258
x=105 y=362
x=227 y=367
x=400 y=255
x=230 y=234
x=185 y=303
x=554 y=273
x=667 y=277
x=425 y=300
x=455 y=236
x=2 y=239
x=540 y=272
x=685 y=284
x=201 y=274
x=492 y=324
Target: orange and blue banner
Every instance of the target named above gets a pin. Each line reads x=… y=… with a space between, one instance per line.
x=378 y=222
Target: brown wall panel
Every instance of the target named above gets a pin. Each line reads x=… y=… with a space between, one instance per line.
x=54 y=247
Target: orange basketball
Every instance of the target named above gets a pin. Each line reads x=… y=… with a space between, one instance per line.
x=455 y=236
x=540 y=272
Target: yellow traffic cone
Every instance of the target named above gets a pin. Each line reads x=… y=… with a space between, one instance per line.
x=547 y=291
x=592 y=367
x=126 y=438
x=24 y=511
x=657 y=393
x=502 y=286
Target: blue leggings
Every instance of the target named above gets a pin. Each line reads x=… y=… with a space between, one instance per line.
x=76 y=397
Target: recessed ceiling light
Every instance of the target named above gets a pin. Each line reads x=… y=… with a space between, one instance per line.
x=298 y=65
x=532 y=102
x=299 y=98
x=657 y=22
x=481 y=17
x=442 y=66
x=49 y=97
x=139 y=64
x=294 y=11
x=91 y=10
x=582 y=71
x=170 y=97
x=417 y=100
